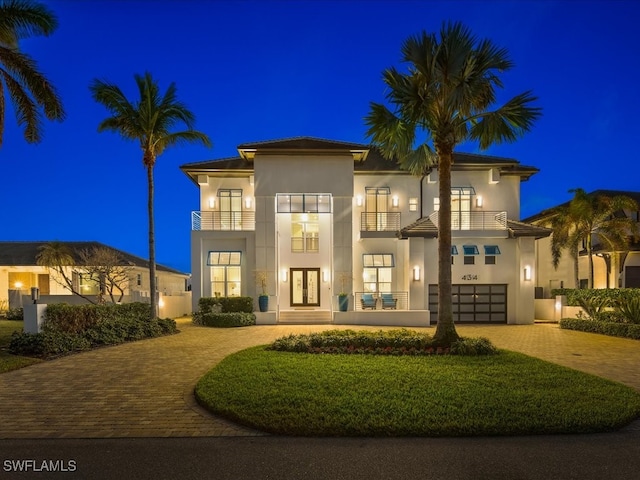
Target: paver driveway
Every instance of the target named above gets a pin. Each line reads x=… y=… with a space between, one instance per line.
x=145 y=389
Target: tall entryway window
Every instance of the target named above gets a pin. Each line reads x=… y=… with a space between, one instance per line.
x=225 y=274
x=305 y=233
x=230 y=209
x=305 y=287
x=376 y=208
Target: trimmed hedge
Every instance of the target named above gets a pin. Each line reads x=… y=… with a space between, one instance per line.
x=225 y=312
x=72 y=328
x=381 y=342
x=224 y=320
x=611 y=295
x=626 y=330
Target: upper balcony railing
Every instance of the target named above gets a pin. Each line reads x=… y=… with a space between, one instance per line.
x=223 y=221
x=474 y=220
x=379 y=221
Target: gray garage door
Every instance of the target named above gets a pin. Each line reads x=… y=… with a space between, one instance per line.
x=473 y=303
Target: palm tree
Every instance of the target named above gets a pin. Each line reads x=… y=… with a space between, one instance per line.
x=30 y=92
x=589 y=216
x=149 y=121
x=444 y=99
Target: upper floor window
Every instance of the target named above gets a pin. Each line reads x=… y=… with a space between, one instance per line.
x=470 y=251
x=490 y=252
x=230 y=207
x=303 y=203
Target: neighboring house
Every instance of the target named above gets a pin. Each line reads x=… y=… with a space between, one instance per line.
x=610 y=269
x=19 y=272
x=322 y=216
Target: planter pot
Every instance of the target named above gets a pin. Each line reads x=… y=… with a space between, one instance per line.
x=343 y=303
x=263 y=303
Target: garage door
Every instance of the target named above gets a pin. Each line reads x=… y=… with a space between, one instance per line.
x=473 y=303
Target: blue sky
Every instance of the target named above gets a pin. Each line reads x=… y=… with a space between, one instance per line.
x=262 y=70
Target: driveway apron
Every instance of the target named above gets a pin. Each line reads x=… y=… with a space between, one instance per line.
x=145 y=389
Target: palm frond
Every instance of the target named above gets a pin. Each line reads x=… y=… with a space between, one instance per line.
x=21 y=19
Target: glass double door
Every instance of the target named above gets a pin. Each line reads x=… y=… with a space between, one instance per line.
x=305 y=287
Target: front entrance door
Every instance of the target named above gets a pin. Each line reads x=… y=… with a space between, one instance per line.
x=305 y=287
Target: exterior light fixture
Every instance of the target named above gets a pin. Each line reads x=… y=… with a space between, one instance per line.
x=395 y=201
x=527 y=273
x=284 y=274
x=247 y=202
x=416 y=273
x=325 y=276
x=359 y=200
x=479 y=201
x=212 y=202
x=18 y=285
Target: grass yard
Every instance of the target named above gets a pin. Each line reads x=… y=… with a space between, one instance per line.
x=7 y=361
x=369 y=395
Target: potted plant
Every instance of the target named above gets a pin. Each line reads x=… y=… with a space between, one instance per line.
x=343 y=296
x=263 y=298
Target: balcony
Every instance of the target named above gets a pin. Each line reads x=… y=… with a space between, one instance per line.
x=474 y=221
x=223 y=221
x=379 y=224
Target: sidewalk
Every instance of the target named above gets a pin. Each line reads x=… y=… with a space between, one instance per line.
x=145 y=389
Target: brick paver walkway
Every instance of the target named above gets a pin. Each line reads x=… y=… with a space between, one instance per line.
x=145 y=389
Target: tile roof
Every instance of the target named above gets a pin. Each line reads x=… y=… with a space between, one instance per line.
x=25 y=253
x=303 y=143
x=425 y=228
x=542 y=215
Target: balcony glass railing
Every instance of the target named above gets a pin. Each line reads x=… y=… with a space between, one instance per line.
x=216 y=220
x=474 y=220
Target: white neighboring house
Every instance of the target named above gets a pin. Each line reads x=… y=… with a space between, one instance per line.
x=611 y=269
x=323 y=216
x=19 y=272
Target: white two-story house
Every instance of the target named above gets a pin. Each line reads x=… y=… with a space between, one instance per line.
x=323 y=217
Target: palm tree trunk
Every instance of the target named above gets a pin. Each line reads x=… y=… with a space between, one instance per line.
x=153 y=296
x=576 y=269
x=590 y=255
x=446 y=330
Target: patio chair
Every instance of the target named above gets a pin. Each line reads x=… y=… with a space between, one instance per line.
x=388 y=302
x=368 y=301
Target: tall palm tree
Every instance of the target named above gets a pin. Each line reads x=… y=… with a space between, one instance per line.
x=444 y=98
x=148 y=120
x=30 y=92
x=588 y=217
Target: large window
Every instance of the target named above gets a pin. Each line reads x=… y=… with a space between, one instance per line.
x=225 y=273
x=230 y=209
x=305 y=232
x=377 y=272
x=376 y=208
x=303 y=203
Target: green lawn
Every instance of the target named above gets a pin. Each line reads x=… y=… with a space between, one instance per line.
x=368 y=395
x=7 y=361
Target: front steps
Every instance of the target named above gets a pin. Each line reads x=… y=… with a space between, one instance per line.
x=305 y=316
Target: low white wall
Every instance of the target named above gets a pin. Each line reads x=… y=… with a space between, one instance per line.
x=547 y=309
x=174 y=306
x=397 y=318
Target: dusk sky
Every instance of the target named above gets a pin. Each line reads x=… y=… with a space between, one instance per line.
x=263 y=70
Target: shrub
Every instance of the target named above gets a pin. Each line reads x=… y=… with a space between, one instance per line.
x=225 y=304
x=629 y=309
x=626 y=330
x=15 y=314
x=473 y=346
x=390 y=342
x=593 y=306
x=47 y=344
x=224 y=320
x=613 y=295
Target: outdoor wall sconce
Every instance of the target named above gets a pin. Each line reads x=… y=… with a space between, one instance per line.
x=325 y=276
x=395 y=201
x=416 y=273
x=18 y=285
x=212 y=202
x=527 y=273
x=247 y=202
x=479 y=201
x=284 y=275
x=35 y=294
x=359 y=200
